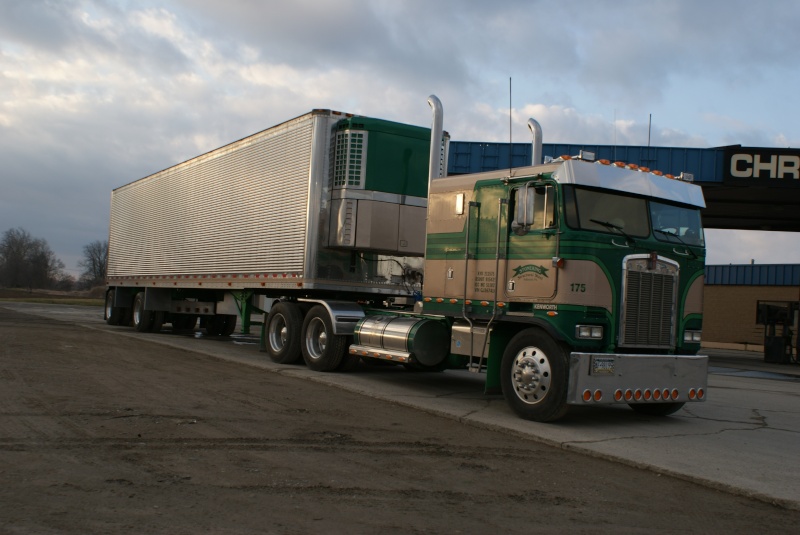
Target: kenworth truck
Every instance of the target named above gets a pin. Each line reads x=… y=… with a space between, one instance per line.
x=570 y=282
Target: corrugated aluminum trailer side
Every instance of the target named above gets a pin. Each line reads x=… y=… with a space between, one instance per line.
x=244 y=212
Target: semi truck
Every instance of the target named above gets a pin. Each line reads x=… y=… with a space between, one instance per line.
x=568 y=282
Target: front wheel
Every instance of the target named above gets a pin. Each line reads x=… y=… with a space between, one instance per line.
x=534 y=376
x=322 y=350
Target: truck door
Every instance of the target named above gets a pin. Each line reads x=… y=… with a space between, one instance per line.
x=532 y=244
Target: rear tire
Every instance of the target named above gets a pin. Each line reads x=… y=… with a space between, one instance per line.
x=322 y=350
x=534 y=375
x=112 y=315
x=142 y=319
x=282 y=333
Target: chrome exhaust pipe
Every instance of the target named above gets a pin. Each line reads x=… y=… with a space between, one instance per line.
x=437 y=166
x=536 y=141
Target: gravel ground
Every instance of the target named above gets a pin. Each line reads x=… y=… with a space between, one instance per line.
x=105 y=434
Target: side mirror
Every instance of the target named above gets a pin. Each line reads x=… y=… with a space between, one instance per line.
x=523 y=218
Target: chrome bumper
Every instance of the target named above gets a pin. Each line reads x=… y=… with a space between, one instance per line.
x=602 y=378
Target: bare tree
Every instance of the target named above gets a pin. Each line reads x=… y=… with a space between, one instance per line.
x=27 y=262
x=94 y=263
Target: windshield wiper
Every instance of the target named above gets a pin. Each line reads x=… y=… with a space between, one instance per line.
x=612 y=226
x=675 y=235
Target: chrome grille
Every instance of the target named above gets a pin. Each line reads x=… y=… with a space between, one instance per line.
x=648 y=307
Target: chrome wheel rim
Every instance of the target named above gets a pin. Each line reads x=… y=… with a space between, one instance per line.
x=531 y=375
x=278 y=333
x=316 y=338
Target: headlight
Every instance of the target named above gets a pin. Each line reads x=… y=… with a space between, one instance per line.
x=590 y=332
x=693 y=337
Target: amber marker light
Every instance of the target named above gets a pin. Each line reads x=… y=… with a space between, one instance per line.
x=637 y=395
x=587 y=395
x=692 y=393
x=701 y=393
x=598 y=395
x=628 y=395
x=647 y=394
x=675 y=394
x=618 y=395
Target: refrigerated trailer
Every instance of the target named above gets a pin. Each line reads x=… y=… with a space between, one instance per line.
x=568 y=282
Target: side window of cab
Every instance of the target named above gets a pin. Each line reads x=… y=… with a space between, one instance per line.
x=534 y=208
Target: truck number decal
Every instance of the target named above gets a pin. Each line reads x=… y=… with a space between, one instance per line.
x=578 y=287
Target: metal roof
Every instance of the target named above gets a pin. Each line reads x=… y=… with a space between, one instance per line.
x=753 y=275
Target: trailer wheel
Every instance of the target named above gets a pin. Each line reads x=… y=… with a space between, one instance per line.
x=158 y=321
x=142 y=319
x=656 y=409
x=112 y=314
x=283 y=333
x=534 y=376
x=322 y=350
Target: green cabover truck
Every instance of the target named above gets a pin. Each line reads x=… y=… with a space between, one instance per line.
x=570 y=282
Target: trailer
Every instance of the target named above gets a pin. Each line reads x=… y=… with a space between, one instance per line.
x=567 y=282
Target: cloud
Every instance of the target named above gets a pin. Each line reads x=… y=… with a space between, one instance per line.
x=97 y=93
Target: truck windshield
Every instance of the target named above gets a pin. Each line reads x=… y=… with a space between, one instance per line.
x=606 y=212
x=676 y=224
x=631 y=217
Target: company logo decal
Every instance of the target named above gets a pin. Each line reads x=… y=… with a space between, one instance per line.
x=541 y=271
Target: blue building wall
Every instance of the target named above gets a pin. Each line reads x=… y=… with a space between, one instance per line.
x=474 y=157
x=753 y=275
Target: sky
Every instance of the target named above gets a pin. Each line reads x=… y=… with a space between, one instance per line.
x=95 y=94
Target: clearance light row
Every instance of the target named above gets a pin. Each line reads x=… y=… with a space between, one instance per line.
x=695 y=394
x=466 y=302
x=685 y=177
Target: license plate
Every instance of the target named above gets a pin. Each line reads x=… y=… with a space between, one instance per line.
x=603 y=365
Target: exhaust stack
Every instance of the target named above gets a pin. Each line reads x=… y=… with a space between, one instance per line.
x=536 y=141
x=437 y=165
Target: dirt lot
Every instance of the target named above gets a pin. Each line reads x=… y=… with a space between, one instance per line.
x=105 y=434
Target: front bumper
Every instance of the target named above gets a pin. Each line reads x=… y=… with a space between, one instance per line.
x=602 y=378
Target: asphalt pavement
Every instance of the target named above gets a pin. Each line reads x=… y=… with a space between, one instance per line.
x=744 y=439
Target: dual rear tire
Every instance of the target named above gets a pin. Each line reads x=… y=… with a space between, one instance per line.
x=290 y=336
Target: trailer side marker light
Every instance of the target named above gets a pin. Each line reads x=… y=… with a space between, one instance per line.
x=618 y=395
x=587 y=395
x=628 y=395
x=701 y=393
x=692 y=393
x=657 y=394
x=666 y=393
x=637 y=395
x=647 y=394
x=675 y=394
x=598 y=395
